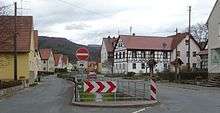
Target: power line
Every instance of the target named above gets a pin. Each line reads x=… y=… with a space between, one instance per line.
x=74 y=5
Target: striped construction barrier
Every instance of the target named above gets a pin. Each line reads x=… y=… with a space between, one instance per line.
x=153 y=89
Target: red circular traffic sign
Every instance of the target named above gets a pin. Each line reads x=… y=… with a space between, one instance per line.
x=82 y=54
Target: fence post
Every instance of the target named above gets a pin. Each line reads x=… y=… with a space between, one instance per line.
x=135 y=85
x=75 y=91
x=115 y=96
x=128 y=87
x=144 y=89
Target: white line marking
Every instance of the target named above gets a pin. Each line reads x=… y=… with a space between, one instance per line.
x=82 y=54
x=143 y=109
x=138 y=111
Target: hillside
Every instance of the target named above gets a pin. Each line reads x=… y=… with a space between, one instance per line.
x=67 y=47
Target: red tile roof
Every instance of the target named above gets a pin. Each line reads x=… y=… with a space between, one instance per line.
x=36 y=39
x=109 y=43
x=65 y=59
x=24 y=29
x=56 y=58
x=152 y=42
x=45 y=53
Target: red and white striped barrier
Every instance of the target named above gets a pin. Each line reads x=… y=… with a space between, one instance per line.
x=100 y=86
x=153 y=89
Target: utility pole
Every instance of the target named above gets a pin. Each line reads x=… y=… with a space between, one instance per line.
x=176 y=63
x=189 y=38
x=130 y=30
x=21 y=7
x=15 y=41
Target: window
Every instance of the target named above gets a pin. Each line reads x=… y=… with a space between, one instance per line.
x=152 y=55
x=123 y=66
x=165 y=66
x=143 y=66
x=194 y=65
x=123 y=54
x=143 y=54
x=119 y=66
x=116 y=55
x=134 y=65
x=187 y=54
x=44 y=68
x=178 y=53
x=44 y=61
x=134 y=54
x=194 y=54
x=215 y=56
x=165 y=55
x=119 y=55
x=187 y=42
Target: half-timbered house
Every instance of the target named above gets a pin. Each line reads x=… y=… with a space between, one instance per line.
x=132 y=53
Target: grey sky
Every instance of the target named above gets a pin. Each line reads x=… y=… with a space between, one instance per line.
x=87 y=21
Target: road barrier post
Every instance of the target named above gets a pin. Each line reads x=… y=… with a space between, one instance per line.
x=153 y=89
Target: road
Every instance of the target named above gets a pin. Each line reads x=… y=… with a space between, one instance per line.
x=53 y=95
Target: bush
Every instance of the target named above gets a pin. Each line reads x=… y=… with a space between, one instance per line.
x=167 y=76
x=130 y=74
x=171 y=76
x=193 y=75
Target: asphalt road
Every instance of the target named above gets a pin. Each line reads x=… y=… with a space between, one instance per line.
x=53 y=95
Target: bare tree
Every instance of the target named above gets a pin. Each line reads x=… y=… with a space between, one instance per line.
x=200 y=32
x=6 y=10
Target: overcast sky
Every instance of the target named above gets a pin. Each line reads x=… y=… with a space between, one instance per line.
x=88 y=21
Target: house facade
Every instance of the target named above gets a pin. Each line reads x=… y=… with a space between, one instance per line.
x=107 y=55
x=25 y=49
x=58 y=61
x=214 y=41
x=132 y=53
x=65 y=61
x=47 y=61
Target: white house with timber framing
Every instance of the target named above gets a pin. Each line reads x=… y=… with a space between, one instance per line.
x=107 y=53
x=131 y=53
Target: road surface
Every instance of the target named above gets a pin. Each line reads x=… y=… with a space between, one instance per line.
x=53 y=95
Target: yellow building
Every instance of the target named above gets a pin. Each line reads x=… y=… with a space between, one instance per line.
x=26 y=53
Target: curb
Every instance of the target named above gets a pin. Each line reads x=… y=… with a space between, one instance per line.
x=116 y=104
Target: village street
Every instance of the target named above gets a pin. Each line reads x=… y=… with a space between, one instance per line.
x=54 y=95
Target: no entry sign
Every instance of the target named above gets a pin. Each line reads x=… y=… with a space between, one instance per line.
x=82 y=54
